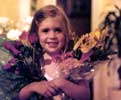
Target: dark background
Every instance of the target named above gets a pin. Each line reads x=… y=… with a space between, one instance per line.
x=79 y=12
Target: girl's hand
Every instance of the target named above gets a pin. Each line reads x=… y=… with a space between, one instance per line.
x=76 y=91
x=60 y=82
x=44 y=88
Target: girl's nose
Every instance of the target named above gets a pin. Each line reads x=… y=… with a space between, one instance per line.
x=52 y=34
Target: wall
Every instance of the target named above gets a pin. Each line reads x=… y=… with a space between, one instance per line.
x=24 y=8
x=15 y=9
x=9 y=8
x=41 y=3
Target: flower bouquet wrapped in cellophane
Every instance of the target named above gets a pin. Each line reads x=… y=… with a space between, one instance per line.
x=74 y=70
x=77 y=65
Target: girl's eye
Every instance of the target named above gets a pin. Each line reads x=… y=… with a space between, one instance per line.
x=45 y=30
x=58 y=30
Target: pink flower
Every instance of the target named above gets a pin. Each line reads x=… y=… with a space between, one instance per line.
x=9 y=64
x=86 y=56
x=27 y=38
x=10 y=46
x=62 y=57
x=33 y=38
x=24 y=36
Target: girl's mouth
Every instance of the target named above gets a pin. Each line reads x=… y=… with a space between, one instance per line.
x=52 y=44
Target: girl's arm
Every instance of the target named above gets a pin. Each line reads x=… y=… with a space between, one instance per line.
x=76 y=91
x=43 y=88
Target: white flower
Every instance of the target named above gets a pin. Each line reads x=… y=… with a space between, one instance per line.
x=14 y=34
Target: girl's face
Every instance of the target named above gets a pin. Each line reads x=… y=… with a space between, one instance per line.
x=52 y=35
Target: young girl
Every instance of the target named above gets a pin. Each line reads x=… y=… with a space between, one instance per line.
x=51 y=27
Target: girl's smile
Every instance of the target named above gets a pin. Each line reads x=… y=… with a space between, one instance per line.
x=52 y=44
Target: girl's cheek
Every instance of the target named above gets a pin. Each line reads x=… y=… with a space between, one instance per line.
x=42 y=37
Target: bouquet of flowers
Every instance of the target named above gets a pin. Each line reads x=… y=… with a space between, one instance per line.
x=74 y=70
x=24 y=59
x=76 y=65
